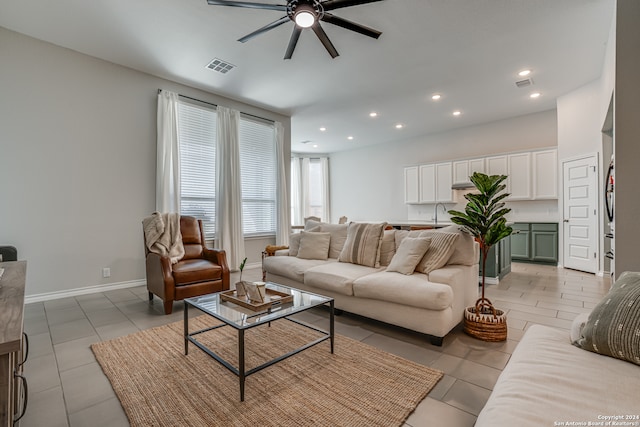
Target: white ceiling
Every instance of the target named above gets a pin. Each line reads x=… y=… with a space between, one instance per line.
x=467 y=50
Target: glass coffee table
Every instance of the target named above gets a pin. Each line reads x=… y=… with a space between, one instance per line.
x=241 y=319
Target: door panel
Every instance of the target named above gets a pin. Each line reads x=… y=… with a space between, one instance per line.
x=580 y=214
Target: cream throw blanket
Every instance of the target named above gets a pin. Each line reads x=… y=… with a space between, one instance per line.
x=162 y=234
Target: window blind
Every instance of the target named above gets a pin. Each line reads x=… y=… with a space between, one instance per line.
x=258 y=174
x=197 y=139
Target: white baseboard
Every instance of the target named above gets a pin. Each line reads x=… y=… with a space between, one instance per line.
x=489 y=280
x=48 y=296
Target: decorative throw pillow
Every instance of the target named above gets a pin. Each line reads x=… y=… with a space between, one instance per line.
x=463 y=252
x=314 y=245
x=409 y=254
x=440 y=250
x=387 y=247
x=363 y=244
x=401 y=234
x=613 y=327
x=338 y=237
x=294 y=244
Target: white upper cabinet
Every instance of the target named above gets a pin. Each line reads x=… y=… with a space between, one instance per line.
x=497 y=165
x=545 y=172
x=476 y=165
x=532 y=175
x=427 y=183
x=461 y=172
x=444 y=180
x=411 y=187
x=519 y=176
x=435 y=183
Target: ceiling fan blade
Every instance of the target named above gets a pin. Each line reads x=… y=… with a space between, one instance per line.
x=251 y=5
x=337 y=4
x=293 y=41
x=264 y=29
x=340 y=22
x=324 y=39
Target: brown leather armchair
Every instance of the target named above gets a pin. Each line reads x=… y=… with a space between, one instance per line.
x=200 y=271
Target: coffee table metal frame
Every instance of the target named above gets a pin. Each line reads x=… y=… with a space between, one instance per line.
x=251 y=320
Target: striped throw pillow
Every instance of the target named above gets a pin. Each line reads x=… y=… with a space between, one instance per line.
x=440 y=250
x=613 y=327
x=363 y=244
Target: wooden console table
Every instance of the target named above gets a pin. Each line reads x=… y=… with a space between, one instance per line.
x=13 y=392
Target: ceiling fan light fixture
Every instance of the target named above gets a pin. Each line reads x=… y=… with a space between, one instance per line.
x=305 y=16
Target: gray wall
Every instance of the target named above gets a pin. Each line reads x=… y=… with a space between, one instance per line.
x=367 y=184
x=77 y=163
x=627 y=137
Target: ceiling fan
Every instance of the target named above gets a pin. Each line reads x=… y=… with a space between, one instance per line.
x=305 y=14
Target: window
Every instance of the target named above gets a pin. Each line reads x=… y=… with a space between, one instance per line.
x=258 y=171
x=197 y=134
x=309 y=189
x=197 y=139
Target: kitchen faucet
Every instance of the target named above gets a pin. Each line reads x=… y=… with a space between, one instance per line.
x=435 y=211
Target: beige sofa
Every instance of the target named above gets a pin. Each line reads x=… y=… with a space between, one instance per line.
x=431 y=303
x=587 y=377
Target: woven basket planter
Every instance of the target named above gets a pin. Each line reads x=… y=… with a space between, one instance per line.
x=485 y=322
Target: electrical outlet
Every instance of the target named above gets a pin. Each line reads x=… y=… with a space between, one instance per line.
x=106 y=272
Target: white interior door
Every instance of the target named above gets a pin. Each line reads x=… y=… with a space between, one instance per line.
x=580 y=214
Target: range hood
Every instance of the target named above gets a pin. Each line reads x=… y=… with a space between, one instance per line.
x=463 y=186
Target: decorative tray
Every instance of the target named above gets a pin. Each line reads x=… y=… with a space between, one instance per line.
x=272 y=298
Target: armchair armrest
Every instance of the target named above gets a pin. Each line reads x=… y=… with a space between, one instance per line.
x=159 y=275
x=219 y=256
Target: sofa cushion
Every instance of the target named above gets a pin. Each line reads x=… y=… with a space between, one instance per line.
x=440 y=250
x=314 y=245
x=338 y=237
x=336 y=277
x=409 y=254
x=290 y=266
x=464 y=252
x=363 y=244
x=548 y=380
x=387 y=247
x=189 y=271
x=613 y=327
x=294 y=244
x=414 y=290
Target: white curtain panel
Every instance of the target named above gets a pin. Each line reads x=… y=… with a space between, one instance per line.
x=229 y=232
x=326 y=203
x=168 y=154
x=296 y=192
x=283 y=222
x=304 y=179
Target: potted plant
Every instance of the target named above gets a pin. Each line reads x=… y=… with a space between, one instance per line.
x=240 y=288
x=484 y=218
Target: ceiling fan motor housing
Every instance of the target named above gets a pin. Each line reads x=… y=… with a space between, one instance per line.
x=313 y=7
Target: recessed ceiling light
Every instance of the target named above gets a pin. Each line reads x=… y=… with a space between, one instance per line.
x=436 y=97
x=534 y=95
x=399 y=126
x=315 y=145
x=524 y=73
x=322 y=129
x=373 y=114
x=457 y=113
x=350 y=138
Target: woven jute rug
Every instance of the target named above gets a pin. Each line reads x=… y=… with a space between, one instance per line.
x=358 y=385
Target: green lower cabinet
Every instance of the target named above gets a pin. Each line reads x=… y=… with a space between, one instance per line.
x=535 y=242
x=498 y=260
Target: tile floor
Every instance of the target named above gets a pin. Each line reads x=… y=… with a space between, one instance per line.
x=67 y=387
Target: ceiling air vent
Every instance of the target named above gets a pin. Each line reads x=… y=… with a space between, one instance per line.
x=305 y=141
x=524 y=83
x=220 y=66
